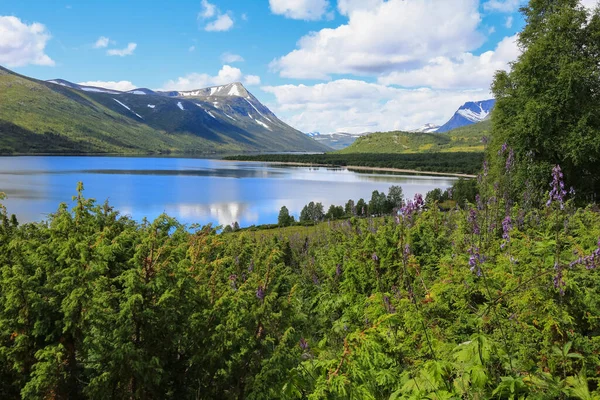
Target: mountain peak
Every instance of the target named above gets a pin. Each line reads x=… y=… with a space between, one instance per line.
x=469 y=113
x=427 y=128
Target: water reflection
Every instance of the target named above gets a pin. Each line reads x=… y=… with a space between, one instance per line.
x=192 y=190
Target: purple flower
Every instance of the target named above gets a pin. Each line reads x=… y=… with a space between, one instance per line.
x=506 y=228
x=472 y=219
x=558 y=193
x=303 y=344
x=559 y=282
x=338 y=270
x=260 y=293
x=419 y=202
x=510 y=160
x=406 y=251
x=486 y=168
x=503 y=149
x=449 y=191
x=315 y=279
x=484 y=140
x=591 y=261
x=374 y=257
x=475 y=260
x=251 y=266
x=388 y=305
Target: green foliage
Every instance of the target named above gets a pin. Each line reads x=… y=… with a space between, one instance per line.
x=548 y=106
x=95 y=305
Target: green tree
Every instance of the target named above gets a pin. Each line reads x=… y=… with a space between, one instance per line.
x=395 y=197
x=284 y=218
x=362 y=208
x=548 y=106
x=350 y=208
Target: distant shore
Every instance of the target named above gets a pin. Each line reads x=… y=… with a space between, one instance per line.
x=362 y=168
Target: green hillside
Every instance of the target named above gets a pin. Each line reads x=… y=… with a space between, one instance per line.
x=41 y=117
x=465 y=139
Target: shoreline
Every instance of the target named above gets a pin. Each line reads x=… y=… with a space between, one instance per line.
x=362 y=168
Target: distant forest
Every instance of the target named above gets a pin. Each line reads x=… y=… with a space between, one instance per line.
x=468 y=163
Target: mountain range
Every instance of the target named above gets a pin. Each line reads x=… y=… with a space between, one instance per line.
x=336 y=140
x=59 y=116
x=469 y=113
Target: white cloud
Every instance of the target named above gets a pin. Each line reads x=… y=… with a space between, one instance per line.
x=214 y=19
x=221 y=24
x=394 y=35
x=464 y=71
x=101 y=43
x=192 y=48
x=309 y=10
x=509 y=22
x=229 y=58
x=208 y=10
x=22 y=44
x=127 y=51
x=252 y=80
x=122 y=86
x=227 y=74
x=506 y=6
x=590 y=3
x=356 y=106
x=346 y=7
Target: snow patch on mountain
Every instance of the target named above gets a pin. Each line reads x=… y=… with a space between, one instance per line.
x=468 y=114
x=427 y=128
x=180 y=106
x=138 y=115
x=263 y=124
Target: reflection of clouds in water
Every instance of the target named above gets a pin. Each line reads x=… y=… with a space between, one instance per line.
x=224 y=213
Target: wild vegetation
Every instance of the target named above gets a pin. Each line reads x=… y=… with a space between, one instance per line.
x=496 y=298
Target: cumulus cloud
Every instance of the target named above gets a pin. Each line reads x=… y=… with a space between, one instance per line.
x=122 y=86
x=506 y=6
x=308 y=10
x=101 y=43
x=229 y=58
x=252 y=80
x=127 y=51
x=464 y=71
x=214 y=20
x=22 y=44
x=356 y=106
x=227 y=74
x=509 y=22
x=346 y=7
x=394 y=35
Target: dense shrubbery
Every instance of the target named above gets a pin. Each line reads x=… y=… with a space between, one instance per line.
x=467 y=163
x=492 y=301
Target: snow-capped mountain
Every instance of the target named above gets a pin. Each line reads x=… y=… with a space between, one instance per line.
x=335 y=140
x=228 y=115
x=469 y=113
x=427 y=128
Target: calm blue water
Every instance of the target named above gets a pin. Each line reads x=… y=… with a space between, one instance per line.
x=192 y=190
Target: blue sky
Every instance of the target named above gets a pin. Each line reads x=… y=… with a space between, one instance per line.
x=326 y=65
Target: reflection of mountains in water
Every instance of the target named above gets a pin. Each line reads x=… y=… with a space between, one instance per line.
x=225 y=213
x=221 y=173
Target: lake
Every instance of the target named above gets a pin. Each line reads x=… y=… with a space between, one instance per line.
x=190 y=189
